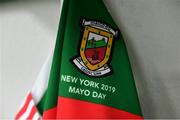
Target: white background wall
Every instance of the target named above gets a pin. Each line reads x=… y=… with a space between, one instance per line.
x=28 y=32
x=151 y=29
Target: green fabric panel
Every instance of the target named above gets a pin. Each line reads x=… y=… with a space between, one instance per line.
x=125 y=97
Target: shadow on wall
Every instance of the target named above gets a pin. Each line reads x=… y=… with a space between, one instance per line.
x=147 y=92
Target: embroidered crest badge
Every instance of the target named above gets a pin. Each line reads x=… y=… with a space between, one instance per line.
x=95 y=48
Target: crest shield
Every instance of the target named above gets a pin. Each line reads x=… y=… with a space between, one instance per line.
x=95 y=47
